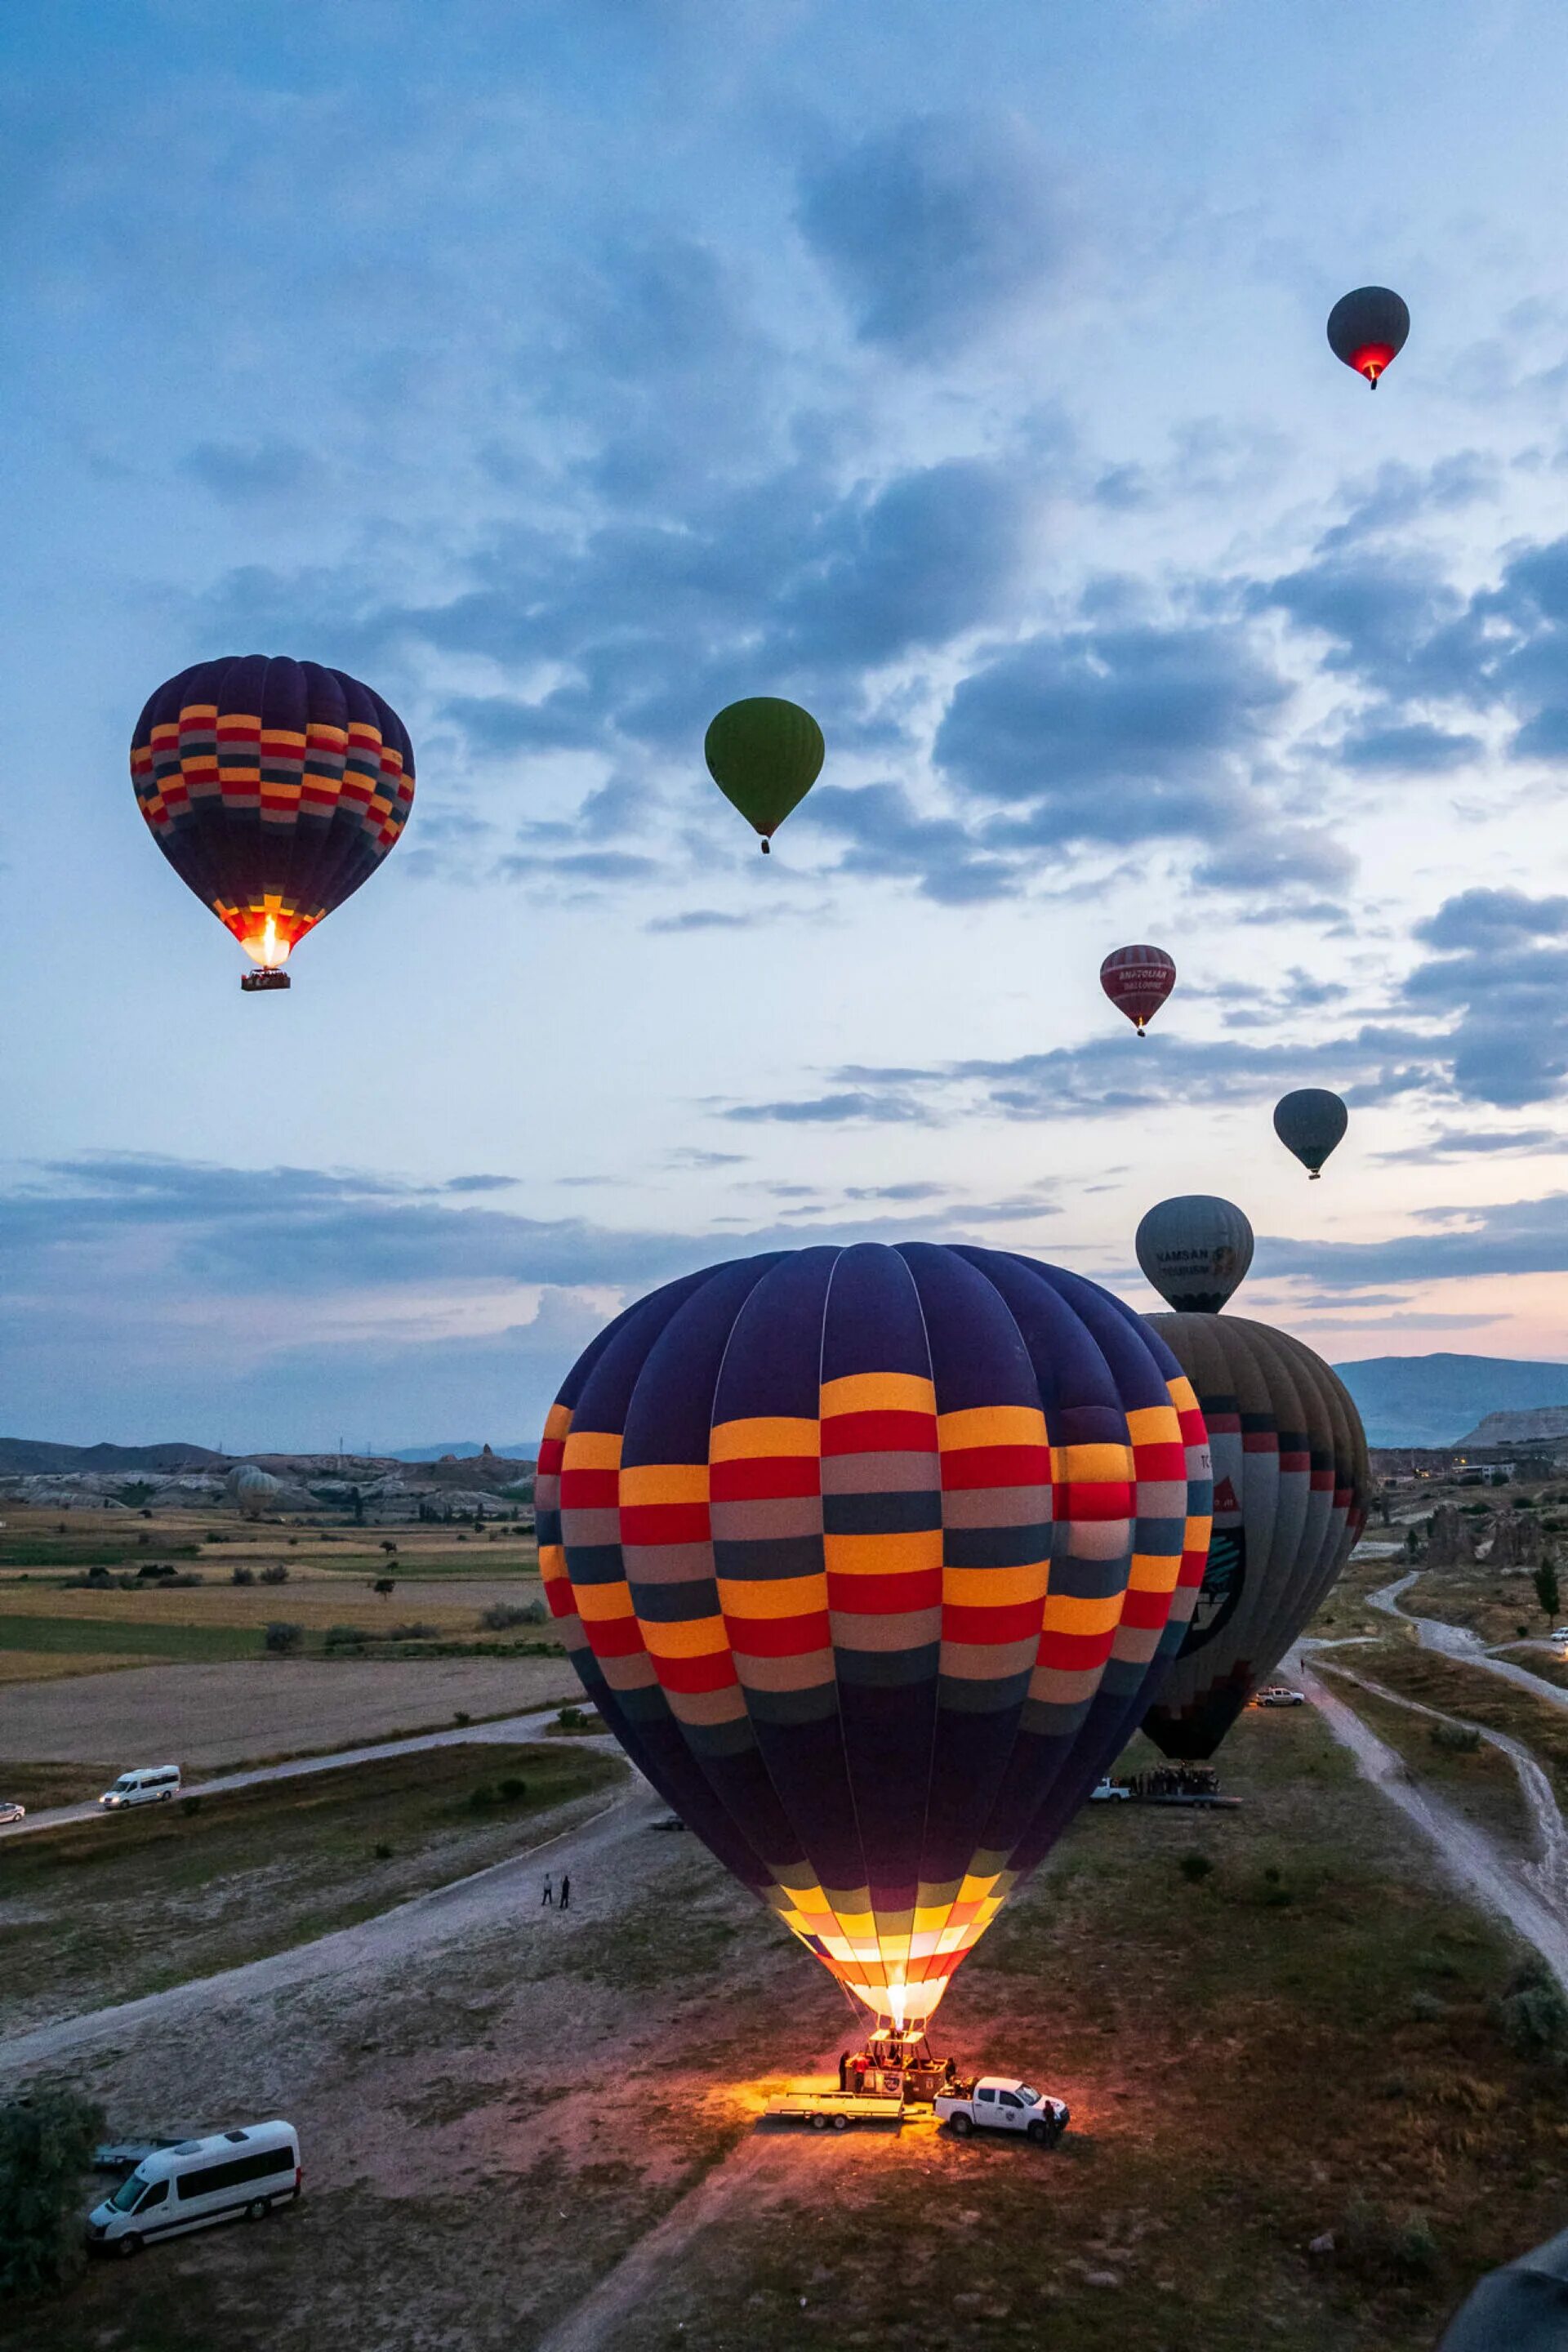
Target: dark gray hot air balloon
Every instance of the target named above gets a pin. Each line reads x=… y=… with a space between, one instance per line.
x=1367 y=329
x=1193 y=1251
x=1291 y=1487
x=1310 y=1123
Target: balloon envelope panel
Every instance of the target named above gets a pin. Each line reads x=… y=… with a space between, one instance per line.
x=869 y=1558
x=274 y=789
x=1291 y=1487
x=1194 y=1250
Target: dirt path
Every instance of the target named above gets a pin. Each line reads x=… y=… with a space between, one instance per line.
x=510 y=1728
x=601 y=1838
x=1467 y=1857
x=1459 y=1642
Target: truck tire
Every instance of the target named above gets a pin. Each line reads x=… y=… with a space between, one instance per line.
x=1040 y=2133
x=259 y=2208
x=840 y=2123
x=128 y=2245
x=961 y=2126
x=819 y=2123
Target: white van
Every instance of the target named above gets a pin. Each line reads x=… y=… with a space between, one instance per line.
x=197 y=2181
x=153 y=1783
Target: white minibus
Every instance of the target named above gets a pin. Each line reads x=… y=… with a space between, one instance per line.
x=197 y=2181
x=152 y=1783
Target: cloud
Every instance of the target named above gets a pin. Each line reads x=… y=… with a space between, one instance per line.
x=478 y=1184
x=934 y=227
x=1515 y=1237
x=888 y=835
x=1413 y=747
x=1503 y=991
x=247 y=473
x=1451 y=1143
x=875 y=1106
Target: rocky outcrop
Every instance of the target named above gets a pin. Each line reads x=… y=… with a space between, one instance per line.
x=1518 y=1540
x=1449 y=1540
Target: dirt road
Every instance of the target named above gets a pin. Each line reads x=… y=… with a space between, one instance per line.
x=599 y=1837
x=1459 y=1642
x=507 y=1728
x=1468 y=1858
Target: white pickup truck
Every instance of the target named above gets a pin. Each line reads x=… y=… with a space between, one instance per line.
x=1001 y=2103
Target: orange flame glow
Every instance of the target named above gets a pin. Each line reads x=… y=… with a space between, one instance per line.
x=268 y=947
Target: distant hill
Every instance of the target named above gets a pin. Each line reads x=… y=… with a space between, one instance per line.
x=1544 y=1425
x=1436 y=1400
x=464 y=1451
x=34 y=1456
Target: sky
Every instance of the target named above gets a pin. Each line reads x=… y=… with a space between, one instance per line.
x=568 y=371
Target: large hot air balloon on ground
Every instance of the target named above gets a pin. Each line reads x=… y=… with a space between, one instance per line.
x=764 y=755
x=274 y=789
x=1367 y=329
x=870 y=1557
x=1291 y=1488
x=1138 y=979
x=1194 y=1250
x=1310 y=1122
x=251 y=1490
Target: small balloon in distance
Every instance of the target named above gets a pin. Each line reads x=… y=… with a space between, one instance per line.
x=1310 y=1123
x=1138 y=979
x=1367 y=329
x=764 y=755
x=1194 y=1250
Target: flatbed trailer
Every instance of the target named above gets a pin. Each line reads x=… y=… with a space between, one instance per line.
x=835 y=2110
x=1210 y=1802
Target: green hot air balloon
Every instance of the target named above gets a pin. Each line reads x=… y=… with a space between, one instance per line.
x=764 y=755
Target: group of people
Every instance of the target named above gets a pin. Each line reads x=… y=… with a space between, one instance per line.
x=548 y=1898
x=1176 y=1780
x=895 y=2070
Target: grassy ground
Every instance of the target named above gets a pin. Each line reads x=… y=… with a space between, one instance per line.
x=1477 y=1695
x=109 y=1908
x=1481 y=1782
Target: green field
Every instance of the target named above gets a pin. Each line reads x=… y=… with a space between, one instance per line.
x=128 y=1636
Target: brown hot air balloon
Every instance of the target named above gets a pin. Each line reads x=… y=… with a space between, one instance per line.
x=1138 y=979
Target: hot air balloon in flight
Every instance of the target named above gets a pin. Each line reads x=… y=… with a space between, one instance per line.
x=764 y=755
x=1310 y=1123
x=1291 y=1488
x=1138 y=981
x=869 y=1557
x=274 y=788
x=1194 y=1250
x=1367 y=329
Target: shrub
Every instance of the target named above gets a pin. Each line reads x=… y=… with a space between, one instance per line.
x=1375 y=2241
x=344 y=1637
x=482 y=1798
x=1531 y=2013
x=384 y=1852
x=502 y=1614
x=46 y=2140
x=242 y=1576
x=511 y=1788
x=1456 y=1738
x=385 y=1586
x=414 y=1632
x=1194 y=1867
x=190 y=1804
x=462 y=1717
x=1427 y=2007
x=276 y=1574
x=283 y=1641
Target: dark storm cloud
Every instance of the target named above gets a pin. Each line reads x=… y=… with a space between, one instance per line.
x=1515 y=1237
x=933 y=228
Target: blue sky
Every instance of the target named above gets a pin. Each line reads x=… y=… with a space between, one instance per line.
x=567 y=371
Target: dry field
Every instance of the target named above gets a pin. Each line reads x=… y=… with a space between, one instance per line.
x=449 y=1605
x=203 y=1717
x=497 y=2104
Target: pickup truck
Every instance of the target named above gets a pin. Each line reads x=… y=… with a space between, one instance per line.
x=1001 y=2103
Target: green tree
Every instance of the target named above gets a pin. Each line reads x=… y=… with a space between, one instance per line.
x=284 y=1640
x=1546 y=1590
x=47 y=2141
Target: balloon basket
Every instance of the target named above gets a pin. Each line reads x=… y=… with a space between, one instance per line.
x=254 y=982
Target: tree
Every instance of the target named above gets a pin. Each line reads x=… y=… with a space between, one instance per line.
x=388 y=1546
x=386 y=1586
x=283 y=1641
x=1546 y=1590
x=46 y=2140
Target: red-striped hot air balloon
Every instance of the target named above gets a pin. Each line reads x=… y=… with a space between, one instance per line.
x=274 y=788
x=1138 y=981
x=870 y=1558
x=1367 y=329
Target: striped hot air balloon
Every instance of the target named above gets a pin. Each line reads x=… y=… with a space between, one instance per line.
x=1138 y=979
x=869 y=1557
x=1291 y=1487
x=274 y=789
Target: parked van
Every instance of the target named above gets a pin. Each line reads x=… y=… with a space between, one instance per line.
x=148 y=1787
x=197 y=2181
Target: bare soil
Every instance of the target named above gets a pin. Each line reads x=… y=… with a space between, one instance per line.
x=201 y=1716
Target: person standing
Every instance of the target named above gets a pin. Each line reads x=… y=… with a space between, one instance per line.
x=565 y=1888
x=548 y=1897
